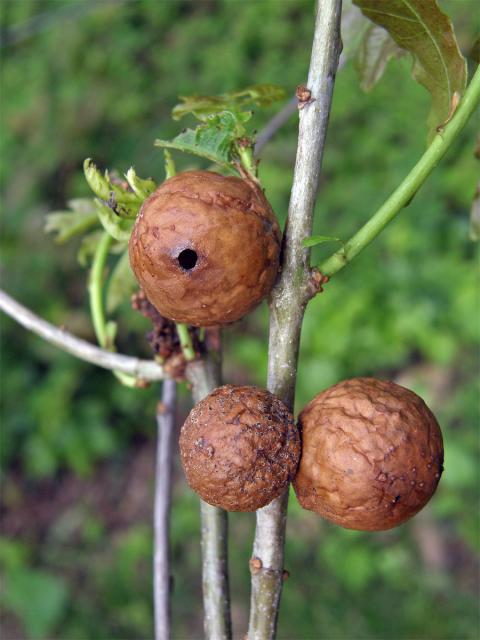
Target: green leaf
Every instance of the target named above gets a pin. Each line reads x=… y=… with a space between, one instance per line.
x=212 y=140
x=262 y=95
x=312 y=241
x=422 y=29
x=67 y=224
x=106 y=189
x=119 y=228
x=376 y=48
x=88 y=246
x=474 y=231
x=142 y=188
x=122 y=283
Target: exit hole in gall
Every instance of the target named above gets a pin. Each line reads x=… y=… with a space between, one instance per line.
x=187 y=259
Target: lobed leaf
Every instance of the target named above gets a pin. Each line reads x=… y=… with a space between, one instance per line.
x=202 y=106
x=420 y=27
x=210 y=143
x=67 y=224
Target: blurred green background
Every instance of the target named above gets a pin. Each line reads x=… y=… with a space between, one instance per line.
x=81 y=79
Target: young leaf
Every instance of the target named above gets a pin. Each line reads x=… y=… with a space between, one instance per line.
x=67 y=224
x=122 y=283
x=142 y=188
x=119 y=228
x=422 y=29
x=88 y=246
x=105 y=188
x=312 y=241
x=262 y=95
x=212 y=140
x=375 y=50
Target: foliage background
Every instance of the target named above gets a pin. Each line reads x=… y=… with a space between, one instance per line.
x=99 y=79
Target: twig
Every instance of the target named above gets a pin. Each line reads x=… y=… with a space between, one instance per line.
x=141 y=369
x=289 y=299
x=276 y=123
x=161 y=518
x=185 y=341
x=204 y=376
x=282 y=117
x=404 y=193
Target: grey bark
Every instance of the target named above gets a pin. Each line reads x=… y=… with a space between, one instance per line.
x=204 y=376
x=141 y=369
x=163 y=496
x=289 y=299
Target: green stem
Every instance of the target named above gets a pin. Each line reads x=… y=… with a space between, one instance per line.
x=95 y=289
x=247 y=160
x=403 y=195
x=185 y=341
x=170 y=169
x=95 y=293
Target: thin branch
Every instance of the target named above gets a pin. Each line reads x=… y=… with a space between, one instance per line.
x=289 y=299
x=163 y=496
x=276 y=123
x=282 y=117
x=204 y=376
x=141 y=369
x=404 y=193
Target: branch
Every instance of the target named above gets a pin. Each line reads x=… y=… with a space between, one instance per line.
x=289 y=299
x=204 y=376
x=276 y=123
x=282 y=117
x=141 y=369
x=163 y=497
x=402 y=196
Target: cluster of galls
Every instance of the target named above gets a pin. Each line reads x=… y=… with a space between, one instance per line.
x=366 y=454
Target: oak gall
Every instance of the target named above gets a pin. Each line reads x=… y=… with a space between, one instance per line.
x=372 y=454
x=205 y=248
x=239 y=448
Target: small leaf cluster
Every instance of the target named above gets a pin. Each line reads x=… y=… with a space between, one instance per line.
x=222 y=136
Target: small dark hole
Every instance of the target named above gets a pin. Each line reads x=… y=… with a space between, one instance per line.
x=187 y=259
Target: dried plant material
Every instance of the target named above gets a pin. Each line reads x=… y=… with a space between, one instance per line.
x=239 y=448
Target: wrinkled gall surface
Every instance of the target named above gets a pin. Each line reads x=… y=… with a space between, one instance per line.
x=239 y=448
x=372 y=454
x=205 y=248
